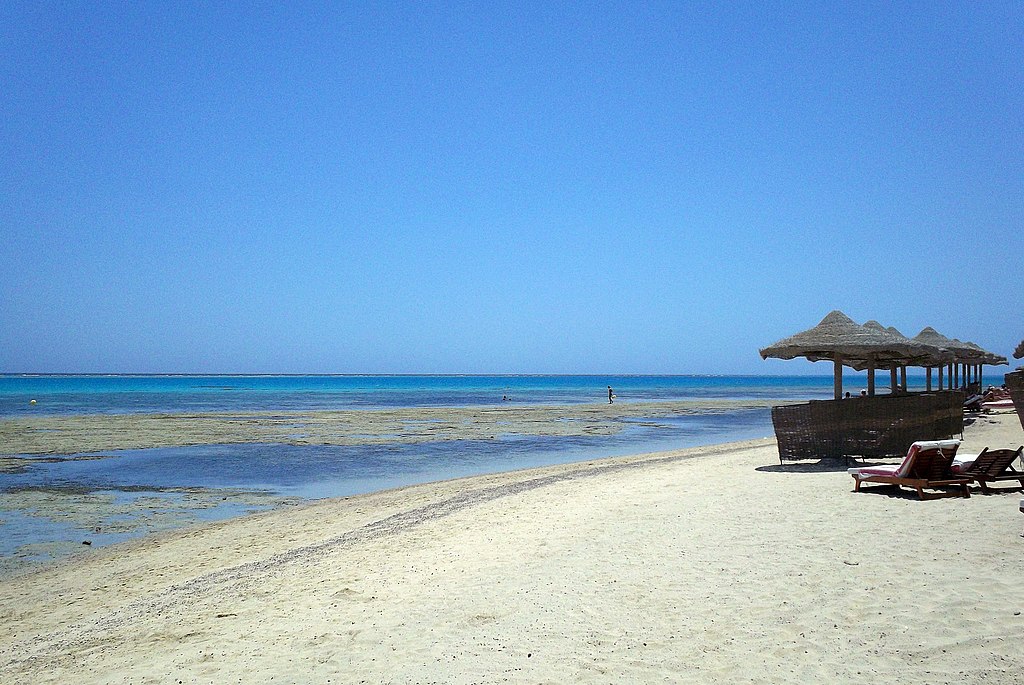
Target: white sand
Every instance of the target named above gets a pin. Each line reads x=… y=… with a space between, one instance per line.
x=661 y=568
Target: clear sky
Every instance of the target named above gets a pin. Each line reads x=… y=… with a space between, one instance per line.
x=487 y=187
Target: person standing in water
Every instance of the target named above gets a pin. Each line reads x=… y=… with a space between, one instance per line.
x=610 y=394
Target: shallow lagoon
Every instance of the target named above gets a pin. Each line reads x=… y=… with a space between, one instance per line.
x=50 y=506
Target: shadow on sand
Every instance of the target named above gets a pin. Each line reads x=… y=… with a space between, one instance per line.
x=833 y=464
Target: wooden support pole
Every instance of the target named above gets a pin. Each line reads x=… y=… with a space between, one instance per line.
x=837 y=376
x=928 y=378
x=940 y=377
x=892 y=379
x=903 y=378
x=871 y=377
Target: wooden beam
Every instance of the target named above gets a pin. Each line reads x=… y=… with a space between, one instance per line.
x=837 y=376
x=928 y=379
x=871 y=376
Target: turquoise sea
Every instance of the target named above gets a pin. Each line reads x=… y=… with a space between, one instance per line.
x=89 y=394
x=50 y=506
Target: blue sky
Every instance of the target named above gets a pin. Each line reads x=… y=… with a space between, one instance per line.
x=491 y=187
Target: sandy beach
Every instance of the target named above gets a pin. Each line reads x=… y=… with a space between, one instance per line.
x=708 y=564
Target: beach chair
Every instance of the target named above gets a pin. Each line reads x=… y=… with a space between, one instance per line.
x=928 y=464
x=993 y=466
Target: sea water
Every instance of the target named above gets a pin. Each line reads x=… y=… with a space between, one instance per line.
x=49 y=506
x=91 y=394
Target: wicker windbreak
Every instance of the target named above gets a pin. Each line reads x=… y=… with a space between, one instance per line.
x=880 y=426
x=1015 y=384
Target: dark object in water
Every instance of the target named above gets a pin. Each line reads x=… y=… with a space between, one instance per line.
x=86 y=542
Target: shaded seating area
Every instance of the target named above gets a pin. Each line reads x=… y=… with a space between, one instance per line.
x=992 y=466
x=927 y=465
x=875 y=425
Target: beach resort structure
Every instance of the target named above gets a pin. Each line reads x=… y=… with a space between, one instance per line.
x=875 y=425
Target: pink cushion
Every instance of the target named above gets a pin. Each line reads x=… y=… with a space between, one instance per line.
x=908 y=461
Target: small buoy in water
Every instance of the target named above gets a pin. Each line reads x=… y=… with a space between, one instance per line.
x=31 y=401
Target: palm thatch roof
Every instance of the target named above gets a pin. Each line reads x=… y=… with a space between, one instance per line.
x=838 y=336
x=967 y=352
x=962 y=351
x=930 y=355
x=873 y=346
x=979 y=355
x=1019 y=352
x=930 y=336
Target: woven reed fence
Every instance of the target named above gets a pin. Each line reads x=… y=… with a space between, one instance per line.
x=1015 y=384
x=880 y=426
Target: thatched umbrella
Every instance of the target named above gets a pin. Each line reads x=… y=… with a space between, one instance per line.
x=1019 y=352
x=873 y=363
x=844 y=341
x=927 y=357
x=963 y=353
x=976 y=358
x=978 y=354
x=930 y=336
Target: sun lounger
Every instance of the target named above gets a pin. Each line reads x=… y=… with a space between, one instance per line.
x=928 y=464
x=992 y=466
x=998 y=405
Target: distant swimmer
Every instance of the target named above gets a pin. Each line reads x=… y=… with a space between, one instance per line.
x=610 y=394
